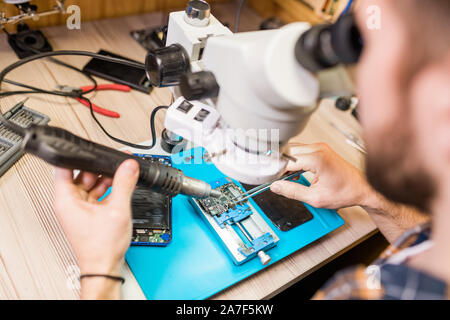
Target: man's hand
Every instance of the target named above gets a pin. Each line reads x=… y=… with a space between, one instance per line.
x=336 y=184
x=99 y=232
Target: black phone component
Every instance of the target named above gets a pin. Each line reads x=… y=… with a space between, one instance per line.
x=118 y=73
x=285 y=213
x=152 y=212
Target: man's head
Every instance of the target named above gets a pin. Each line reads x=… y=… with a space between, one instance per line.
x=404 y=83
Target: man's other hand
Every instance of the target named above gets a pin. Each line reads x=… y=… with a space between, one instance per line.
x=99 y=232
x=336 y=184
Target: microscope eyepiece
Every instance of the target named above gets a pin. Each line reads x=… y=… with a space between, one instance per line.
x=325 y=46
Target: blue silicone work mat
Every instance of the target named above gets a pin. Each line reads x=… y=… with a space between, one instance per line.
x=195 y=265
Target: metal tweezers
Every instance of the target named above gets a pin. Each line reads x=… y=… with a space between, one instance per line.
x=259 y=189
x=351 y=139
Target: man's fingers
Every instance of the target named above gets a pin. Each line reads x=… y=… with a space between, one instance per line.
x=306 y=162
x=65 y=189
x=63 y=175
x=63 y=180
x=291 y=190
x=124 y=183
x=86 y=181
x=309 y=157
x=99 y=189
x=298 y=148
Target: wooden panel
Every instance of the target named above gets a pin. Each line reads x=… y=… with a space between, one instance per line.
x=295 y=10
x=266 y=8
x=97 y=9
x=328 y=9
x=292 y=10
x=286 y=10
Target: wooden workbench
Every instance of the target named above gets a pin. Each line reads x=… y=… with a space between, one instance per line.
x=36 y=260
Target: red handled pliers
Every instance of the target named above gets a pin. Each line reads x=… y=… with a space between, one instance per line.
x=100 y=87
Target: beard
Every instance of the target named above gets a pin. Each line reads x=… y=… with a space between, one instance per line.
x=393 y=168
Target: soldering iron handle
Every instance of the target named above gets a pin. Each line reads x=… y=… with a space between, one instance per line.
x=64 y=149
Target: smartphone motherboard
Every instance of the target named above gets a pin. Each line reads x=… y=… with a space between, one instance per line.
x=239 y=226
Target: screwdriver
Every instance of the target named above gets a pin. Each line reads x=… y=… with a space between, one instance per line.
x=63 y=149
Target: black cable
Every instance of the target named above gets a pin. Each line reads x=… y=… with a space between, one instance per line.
x=152 y=123
x=238 y=16
x=33 y=90
x=129 y=144
x=38 y=90
x=126 y=143
x=73 y=95
x=21 y=62
x=41 y=55
x=13 y=93
x=59 y=62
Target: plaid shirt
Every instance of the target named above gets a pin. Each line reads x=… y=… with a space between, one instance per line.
x=389 y=277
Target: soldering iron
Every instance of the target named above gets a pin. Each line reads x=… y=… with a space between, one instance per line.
x=61 y=148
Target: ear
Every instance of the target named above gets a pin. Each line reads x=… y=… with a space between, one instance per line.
x=430 y=114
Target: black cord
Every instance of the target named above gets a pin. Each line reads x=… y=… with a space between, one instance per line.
x=16 y=128
x=33 y=90
x=56 y=61
x=238 y=16
x=126 y=143
x=152 y=123
x=21 y=62
x=14 y=93
x=81 y=96
x=41 y=55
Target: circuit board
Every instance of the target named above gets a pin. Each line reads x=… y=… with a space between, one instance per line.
x=217 y=206
x=151 y=212
x=150 y=236
x=241 y=229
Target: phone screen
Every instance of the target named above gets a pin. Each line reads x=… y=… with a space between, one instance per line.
x=285 y=213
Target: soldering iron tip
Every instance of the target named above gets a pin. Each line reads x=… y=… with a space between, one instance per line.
x=215 y=193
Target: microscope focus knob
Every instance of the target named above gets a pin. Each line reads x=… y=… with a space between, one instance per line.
x=344 y=103
x=264 y=257
x=199 y=85
x=165 y=66
x=197 y=13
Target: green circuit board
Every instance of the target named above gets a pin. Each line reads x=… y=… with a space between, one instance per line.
x=149 y=235
x=217 y=206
